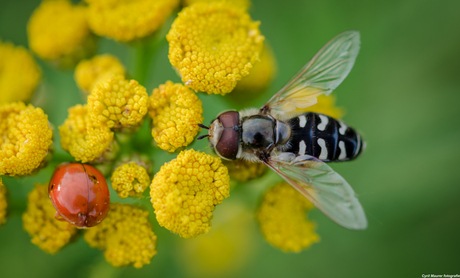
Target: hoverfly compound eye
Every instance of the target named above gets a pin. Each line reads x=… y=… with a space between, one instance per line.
x=226 y=138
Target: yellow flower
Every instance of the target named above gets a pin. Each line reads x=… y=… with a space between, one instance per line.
x=176 y=112
x=118 y=103
x=14 y=86
x=243 y=170
x=282 y=218
x=58 y=31
x=83 y=139
x=213 y=45
x=130 y=179
x=3 y=203
x=186 y=190
x=239 y=3
x=326 y=106
x=126 y=235
x=89 y=73
x=25 y=138
x=125 y=20
x=38 y=220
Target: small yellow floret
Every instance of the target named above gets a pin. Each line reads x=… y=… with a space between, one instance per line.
x=176 y=112
x=83 y=139
x=243 y=170
x=3 y=203
x=130 y=179
x=118 y=103
x=186 y=190
x=126 y=20
x=15 y=86
x=25 y=138
x=89 y=73
x=126 y=236
x=38 y=220
x=282 y=218
x=239 y=3
x=213 y=45
x=58 y=30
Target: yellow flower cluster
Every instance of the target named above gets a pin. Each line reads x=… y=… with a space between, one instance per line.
x=25 y=138
x=118 y=103
x=239 y=3
x=213 y=45
x=89 y=73
x=83 y=139
x=186 y=190
x=326 y=106
x=243 y=170
x=130 y=179
x=126 y=235
x=14 y=86
x=58 y=31
x=3 y=203
x=126 y=20
x=38 y=220
x=176 y=112
x=282 y=218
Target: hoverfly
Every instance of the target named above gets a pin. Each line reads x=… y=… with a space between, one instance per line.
x=295 y=146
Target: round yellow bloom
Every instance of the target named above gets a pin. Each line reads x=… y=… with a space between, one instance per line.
x=14 y=86
x=38 y=220
x=213 y=45
x=126 y=20
x=239 y=3
x=3 y=203
x=58 y=31
x=126 y=235
x=118 y=103
x=282 y=218
x=130 y=179
x=176 y=112
x=25 y=138
x=186 y=190
x=243 y=170
x=85 y=140
x=89 y=73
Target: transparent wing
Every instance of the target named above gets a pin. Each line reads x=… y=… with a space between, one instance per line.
x=321 y=75
x=322 y=186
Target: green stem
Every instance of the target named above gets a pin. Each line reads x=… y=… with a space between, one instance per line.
x=141 y=60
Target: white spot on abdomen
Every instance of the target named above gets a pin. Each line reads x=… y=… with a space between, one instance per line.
x=324 y=121
x=358 y=144
x=343 y=128
x=302 y=121
x=302 y=147
x=322 y=144
x=343 y=151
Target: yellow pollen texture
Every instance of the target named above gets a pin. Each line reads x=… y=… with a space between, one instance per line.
x=186 y=190
x=176 y=112
x=282 y=219
x=118 y=103
x=130 y=179
x=239 y=3
x=89 y=73
x=213 y=45
x=126 y=20
x=47 y=233
x=82 y=138
x=25 y=138
x=126 y=235
x=14 y=86
x=3 y=203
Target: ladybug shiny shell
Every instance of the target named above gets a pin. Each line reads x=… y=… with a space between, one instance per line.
x=80 y=194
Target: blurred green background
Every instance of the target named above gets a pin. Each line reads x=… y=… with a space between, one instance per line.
x=402 y=94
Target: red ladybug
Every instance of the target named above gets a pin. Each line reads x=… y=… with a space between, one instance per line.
x=80 y=194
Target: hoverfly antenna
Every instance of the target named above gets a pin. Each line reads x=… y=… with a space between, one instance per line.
x=202 y=136
x=203 y=126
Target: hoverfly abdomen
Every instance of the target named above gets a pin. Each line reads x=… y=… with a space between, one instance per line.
x=323 y=137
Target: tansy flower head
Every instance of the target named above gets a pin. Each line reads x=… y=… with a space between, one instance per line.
x=14 y=86
x=89 y=73
x=238 y=3
x=213 y=45
x=85 y=140
x=130 y=179
x=38 y=220
x=282 y=218
x=126 y=235
x=25 y=138
x=125 y=20
x=118 y=103
x=58 y=31
x=186 y=190
x=243 y=170
x=176 y=112
x=3 y=203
